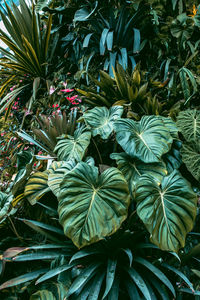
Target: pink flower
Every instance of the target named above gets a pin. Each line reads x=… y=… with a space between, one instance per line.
x=52 y=90
x=67 y=90
x=56 y=105
x=20 y=80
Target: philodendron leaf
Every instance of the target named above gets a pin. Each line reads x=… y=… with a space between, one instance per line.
x=5 y=205
x=188 y=122
x=37 y=186
x=56 y=173
x=147 y=140
x=73 y=147
x=171 y=125
x=92 y=207
x=133 y=168
x=101 y=120
x=168 y=210
x=191 y=157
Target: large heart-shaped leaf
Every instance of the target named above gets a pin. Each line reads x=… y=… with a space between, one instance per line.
x=101 y=120
x=73 y=147
x=92 y=207
x=188 y=122
x=37 y=186
x=133 y=168
x=191 y=157
x=168 y=211
x=147 y=140
x=56 y=173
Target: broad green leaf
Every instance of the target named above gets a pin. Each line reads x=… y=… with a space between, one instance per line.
x=73 y=147
x=5 y=205
x=168 y=211
x=188 y=122
x=191 y=158
x=101 y=120
x=133 y=168
x=24 y=164
x=88 y=201
x=147 y=140
x=23 y=158
x=22 y=279
x=56 y=173
x=37 y=186
x=171 y=125
x=83 y=14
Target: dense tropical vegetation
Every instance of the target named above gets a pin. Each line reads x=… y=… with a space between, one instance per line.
x=99 y=150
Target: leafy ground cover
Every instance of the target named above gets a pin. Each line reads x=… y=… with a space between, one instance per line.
x=99 y=150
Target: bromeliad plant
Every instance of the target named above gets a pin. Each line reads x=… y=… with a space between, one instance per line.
x=98 y=202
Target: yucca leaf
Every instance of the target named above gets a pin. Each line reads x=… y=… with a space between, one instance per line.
x=22 y=279
x=84 y=253
x=136 y=43
x=83 y=278
x=129 y=255
x=39 y=256
x=96 y=286
x=110 y=276
x=37 y=224
x=54 y=272
x=132 y=290
x=160 y=275
x=135 y=276
x=180 y=274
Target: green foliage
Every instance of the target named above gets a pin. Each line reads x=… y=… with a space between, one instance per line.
x=73 y=147
x=87 y=201
x=100 y=120
x=168 y=224
x=36 y=186
x=5 y=206
x=28 y=44
x=147 y=140
x=66 y=183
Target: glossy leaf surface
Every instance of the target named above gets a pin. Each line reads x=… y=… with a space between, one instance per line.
x=87 y=202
